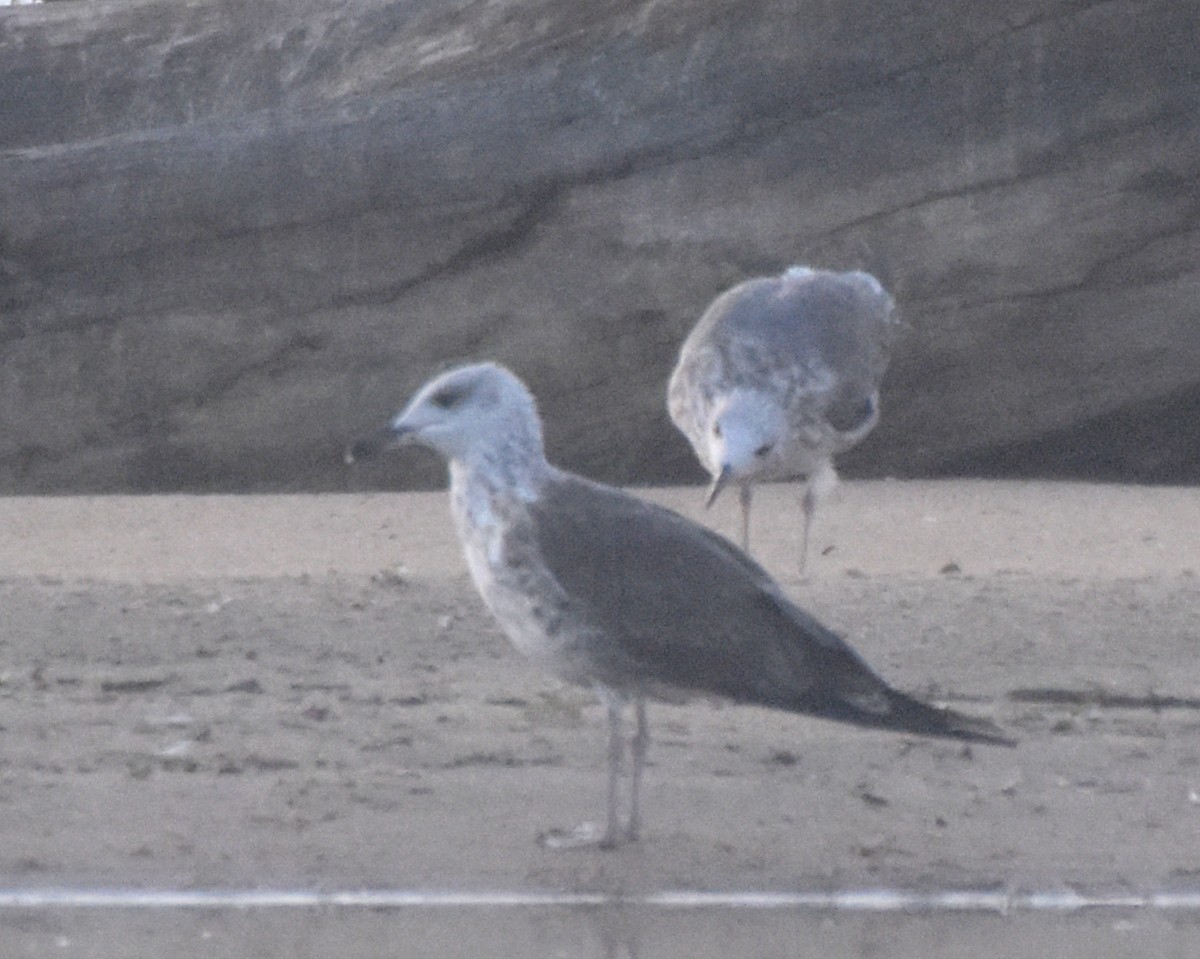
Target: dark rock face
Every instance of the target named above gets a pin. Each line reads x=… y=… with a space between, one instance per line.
x=234 y=235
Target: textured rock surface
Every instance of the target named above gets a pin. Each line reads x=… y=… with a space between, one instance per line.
x=233 y=235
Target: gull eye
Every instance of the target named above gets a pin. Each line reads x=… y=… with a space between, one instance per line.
x=717 y=430
x=764 y=449
x=447 y=397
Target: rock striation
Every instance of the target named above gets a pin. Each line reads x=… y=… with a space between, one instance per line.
x=233 y=234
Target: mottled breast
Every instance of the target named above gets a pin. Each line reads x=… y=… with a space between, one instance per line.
x=529 y=604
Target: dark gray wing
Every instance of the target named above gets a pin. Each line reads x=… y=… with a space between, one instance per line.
x=670 y=602
x=664 y=601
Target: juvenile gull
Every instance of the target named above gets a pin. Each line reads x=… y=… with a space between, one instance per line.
x=779 y=376
x=608 y=591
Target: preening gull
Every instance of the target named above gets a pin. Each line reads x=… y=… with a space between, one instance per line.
x=608 y=591
x=780 y=375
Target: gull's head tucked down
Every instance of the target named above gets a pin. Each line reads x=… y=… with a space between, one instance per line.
x=472 y=414
x=746 y=436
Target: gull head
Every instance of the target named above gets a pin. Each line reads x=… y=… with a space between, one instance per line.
x=746 y=435
x=467 y=414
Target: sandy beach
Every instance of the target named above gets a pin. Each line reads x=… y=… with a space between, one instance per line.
x=305 y=691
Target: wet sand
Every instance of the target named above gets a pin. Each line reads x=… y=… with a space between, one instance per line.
x=305 y=691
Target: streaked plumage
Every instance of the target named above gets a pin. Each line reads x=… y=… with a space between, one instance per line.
x=780 y=375
x=606 y=590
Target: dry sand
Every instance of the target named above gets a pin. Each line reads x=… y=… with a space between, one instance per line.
x=305 y=691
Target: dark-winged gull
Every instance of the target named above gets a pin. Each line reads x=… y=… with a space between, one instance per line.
x=608 y=591
x=780 y=375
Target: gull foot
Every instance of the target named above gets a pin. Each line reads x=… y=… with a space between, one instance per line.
x=585 y=835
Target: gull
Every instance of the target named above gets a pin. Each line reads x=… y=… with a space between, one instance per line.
x=608 y=591
x=780 y=375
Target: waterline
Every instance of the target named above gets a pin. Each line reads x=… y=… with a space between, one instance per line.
x=848 y=900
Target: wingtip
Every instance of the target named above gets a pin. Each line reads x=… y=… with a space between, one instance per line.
x=930 y=720
x=991 y=738
x=976 y=729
